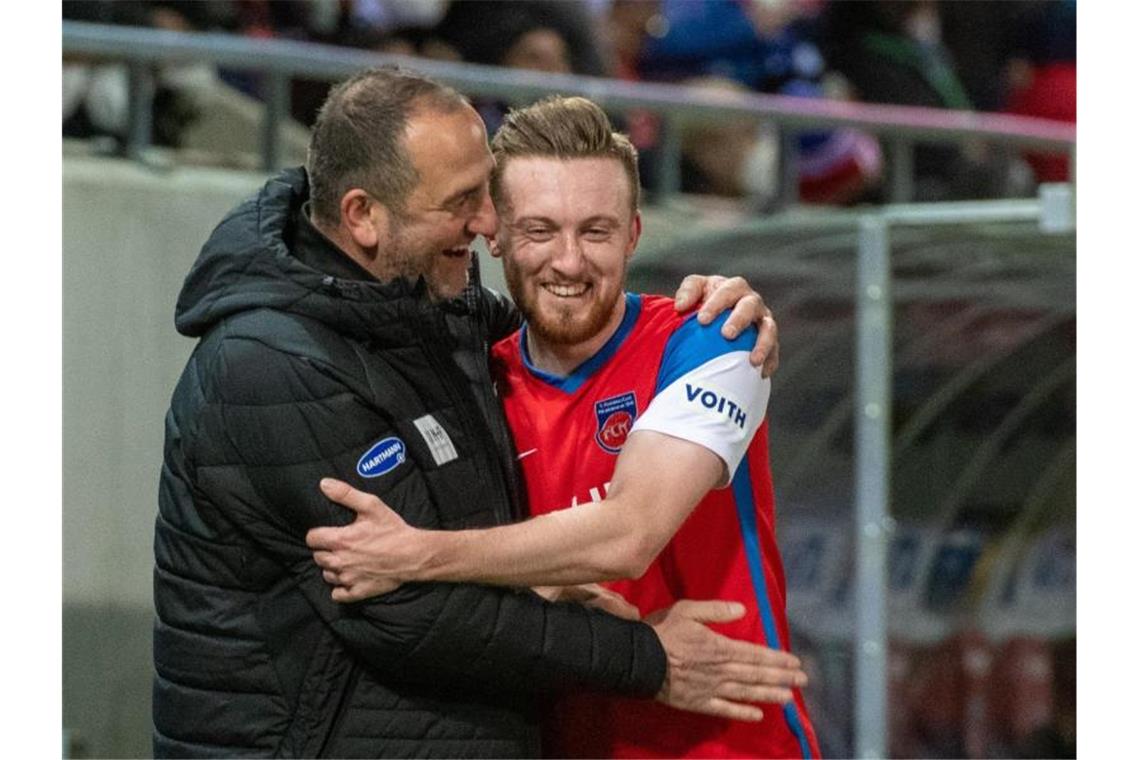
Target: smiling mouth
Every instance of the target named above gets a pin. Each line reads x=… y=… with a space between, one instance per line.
x=566 y=291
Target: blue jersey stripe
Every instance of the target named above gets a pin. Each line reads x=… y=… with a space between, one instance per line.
x=693 y=344
x=572 y=382
x=746 y=511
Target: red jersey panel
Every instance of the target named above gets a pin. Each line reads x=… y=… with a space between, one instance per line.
x=569 y=431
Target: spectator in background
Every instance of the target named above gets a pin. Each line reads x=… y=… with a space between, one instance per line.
x=96 y=93
x=979 y=38
x=891 y=51
x=763 y=47
x=535 y=35
x=624 y=26
x=519 y=33
x=1043 y=76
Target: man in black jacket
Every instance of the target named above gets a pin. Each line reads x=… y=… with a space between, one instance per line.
x=339 y=336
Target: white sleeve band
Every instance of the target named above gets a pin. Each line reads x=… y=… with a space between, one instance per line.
x=718 y=405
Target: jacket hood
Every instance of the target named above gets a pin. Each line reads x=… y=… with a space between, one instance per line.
x=246 y=264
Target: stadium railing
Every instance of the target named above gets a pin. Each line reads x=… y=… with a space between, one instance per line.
x=899 y=127
x=882 y=280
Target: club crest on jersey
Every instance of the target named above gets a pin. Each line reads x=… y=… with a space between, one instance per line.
x=615 y=420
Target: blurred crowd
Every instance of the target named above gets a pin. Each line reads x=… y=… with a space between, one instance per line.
x=1016 y=57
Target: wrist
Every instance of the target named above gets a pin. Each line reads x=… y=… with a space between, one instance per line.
x=430 y=555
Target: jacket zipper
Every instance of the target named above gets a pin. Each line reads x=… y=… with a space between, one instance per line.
x=449 y=375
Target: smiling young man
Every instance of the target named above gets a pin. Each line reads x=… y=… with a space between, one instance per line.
x=642 y=437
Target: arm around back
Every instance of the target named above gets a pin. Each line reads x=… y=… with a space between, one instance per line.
x=267 y=422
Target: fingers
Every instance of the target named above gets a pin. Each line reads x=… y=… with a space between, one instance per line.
x=325 y=538
x=690 y=292
x=766 y=352
x=771 y=363
x=344 y=594
x=357 y=592
x=776 y=677
x=745 y=692
x=712 y=611
x=726 y=293
x=615 y=605
x=345 y=495
x=732 y=710
x=345 y=590
x=753 y=655
x=327 y=560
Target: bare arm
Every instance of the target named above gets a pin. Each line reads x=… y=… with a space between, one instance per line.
x=651 y=494
x=657 y=482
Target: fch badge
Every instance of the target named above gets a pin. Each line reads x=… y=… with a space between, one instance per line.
x=615 y=419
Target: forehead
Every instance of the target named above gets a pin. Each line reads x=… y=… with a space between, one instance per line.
x=554 y=187
x=448 y=149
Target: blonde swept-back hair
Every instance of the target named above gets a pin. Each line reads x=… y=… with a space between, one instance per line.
x=564 y=128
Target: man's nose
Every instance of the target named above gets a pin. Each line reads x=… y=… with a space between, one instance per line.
x=568 y=259
x=485 y=222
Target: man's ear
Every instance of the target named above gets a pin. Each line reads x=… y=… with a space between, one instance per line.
x=634 y=235
x=494 y=242
x=365 y=219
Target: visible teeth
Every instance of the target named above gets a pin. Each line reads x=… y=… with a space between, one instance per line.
x=566 y=291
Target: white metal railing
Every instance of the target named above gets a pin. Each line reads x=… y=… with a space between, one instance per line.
x=899 y=127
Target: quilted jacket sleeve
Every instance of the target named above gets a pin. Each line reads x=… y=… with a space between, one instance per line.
x=269 y=424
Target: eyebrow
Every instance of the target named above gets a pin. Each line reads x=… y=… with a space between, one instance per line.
x=533 y=218
x=611 y=221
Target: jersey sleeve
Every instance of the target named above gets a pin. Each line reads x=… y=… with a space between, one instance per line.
x=707 y=391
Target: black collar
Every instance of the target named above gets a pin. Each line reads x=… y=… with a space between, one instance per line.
x=315 y=249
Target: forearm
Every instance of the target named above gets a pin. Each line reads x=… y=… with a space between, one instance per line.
x=592 y=542
x=615 y=538
x=496 y=640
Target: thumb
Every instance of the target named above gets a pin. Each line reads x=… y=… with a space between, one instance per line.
x=712 y=611
x=347 y=496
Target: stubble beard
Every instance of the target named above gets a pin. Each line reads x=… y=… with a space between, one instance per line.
x=559 y=328
x=411 y=264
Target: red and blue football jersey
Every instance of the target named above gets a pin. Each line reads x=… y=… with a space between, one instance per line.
x=665 y=372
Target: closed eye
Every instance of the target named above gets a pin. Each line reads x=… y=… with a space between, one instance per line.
x=467 y=199
x=538 y=233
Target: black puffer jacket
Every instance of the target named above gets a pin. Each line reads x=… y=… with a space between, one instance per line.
x=303 y=367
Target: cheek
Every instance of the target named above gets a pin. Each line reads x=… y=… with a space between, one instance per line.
x=527 y=257
x=607 y=259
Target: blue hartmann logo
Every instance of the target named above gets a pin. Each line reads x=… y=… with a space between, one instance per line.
x=384 y=457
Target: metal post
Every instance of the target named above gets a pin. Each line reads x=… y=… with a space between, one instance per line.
x=902 y=170
x=872 y=483
x=669 y=163
x=1058 y=212
x=139 y=108
x=276 y=111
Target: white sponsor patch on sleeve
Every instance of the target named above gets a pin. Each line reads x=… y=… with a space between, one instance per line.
x=437 y=439
x=718 y=405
